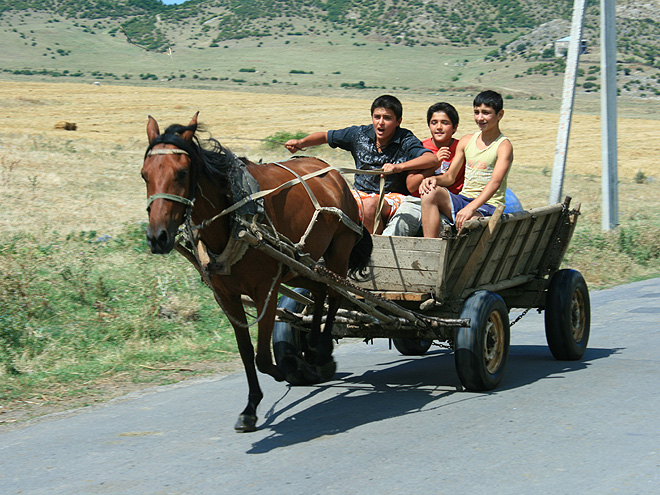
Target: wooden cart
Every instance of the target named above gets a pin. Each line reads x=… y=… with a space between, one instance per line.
x=459 y=290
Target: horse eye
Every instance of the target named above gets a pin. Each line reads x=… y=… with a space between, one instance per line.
x=181 y=175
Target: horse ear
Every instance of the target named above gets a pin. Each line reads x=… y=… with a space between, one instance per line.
x=188 y=135
x=152 y=129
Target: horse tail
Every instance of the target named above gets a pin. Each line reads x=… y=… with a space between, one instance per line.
x=360 y=258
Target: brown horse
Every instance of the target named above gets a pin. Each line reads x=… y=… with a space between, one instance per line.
x=193 y=182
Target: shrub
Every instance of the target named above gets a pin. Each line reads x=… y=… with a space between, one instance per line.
x=640 y=177
x=279 y=138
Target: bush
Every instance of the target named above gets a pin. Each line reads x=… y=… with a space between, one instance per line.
x=640 y=177
x=279 y=138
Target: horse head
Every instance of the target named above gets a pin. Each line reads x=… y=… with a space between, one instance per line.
x=168 y=175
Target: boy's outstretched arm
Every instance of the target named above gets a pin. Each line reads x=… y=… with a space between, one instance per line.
x=504 y=160
x=314 y=139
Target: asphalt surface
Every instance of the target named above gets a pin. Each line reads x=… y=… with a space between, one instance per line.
x=388 y=424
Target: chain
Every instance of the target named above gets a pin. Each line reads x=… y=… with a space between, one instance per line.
x=519 y=317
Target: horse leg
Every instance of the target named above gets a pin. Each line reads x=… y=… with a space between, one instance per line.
x=247 y=420
x=318 y=342
x=264 y=355
x=326 y=366
x=336 y=261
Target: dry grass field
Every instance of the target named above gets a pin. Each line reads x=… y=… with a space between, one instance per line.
x=88 y=179
x=83 y=321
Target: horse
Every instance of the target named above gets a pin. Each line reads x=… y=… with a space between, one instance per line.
x=195 y=182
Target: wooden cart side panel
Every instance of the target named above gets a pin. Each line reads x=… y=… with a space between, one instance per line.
x=496 y=255
x=543 y=243
x=407 y=264
x=523 y=263
x=512 y=254
x=449 y=267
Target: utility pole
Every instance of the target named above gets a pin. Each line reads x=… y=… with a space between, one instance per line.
x=608 y=94
x=568 y=95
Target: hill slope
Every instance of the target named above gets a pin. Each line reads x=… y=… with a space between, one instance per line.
x=503 y=43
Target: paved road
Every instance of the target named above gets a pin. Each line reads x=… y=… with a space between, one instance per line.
x=389 y=424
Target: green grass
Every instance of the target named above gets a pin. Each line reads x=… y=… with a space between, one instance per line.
x=78 y=307
x=625 y=254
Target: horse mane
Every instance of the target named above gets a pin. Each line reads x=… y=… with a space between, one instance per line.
x=215 y=162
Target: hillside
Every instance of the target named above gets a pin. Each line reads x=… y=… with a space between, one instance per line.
x=395 y=45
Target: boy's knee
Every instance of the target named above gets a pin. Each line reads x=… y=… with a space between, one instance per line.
x=370 y=203
x=432 y=197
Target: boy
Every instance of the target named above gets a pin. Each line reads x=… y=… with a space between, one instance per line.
x=488 y=157
x=442 y=119
x=380 y=145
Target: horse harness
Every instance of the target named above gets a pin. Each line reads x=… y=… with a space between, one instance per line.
x=246 y=214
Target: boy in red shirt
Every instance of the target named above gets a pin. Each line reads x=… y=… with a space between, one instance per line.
x=442 y=119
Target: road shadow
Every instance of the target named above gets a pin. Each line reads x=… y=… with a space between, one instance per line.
x=400 y=386
x=530 y=363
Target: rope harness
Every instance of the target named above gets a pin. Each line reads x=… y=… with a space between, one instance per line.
x=208 y=263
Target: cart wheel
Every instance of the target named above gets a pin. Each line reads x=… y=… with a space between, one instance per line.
x=412 y=347
x=481 y=350
x=567 y=315
x=290 y=347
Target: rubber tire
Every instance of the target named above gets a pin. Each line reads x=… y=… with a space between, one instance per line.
x=480 y=361
x=567 y=315
x=412 y=347
x=288 y=341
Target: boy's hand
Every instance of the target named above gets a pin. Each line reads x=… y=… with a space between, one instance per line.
x=294 y=145
x=427 y=185
x=443 y=154
x=464 y=215
x=392 y=167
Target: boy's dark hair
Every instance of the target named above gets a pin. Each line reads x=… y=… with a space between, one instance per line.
x=389 y=102
x=445 y=107
x=491 y=99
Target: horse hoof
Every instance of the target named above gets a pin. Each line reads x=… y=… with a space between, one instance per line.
x=246 y=423
x=326 y=371
x=298 y=372
x=278 y=375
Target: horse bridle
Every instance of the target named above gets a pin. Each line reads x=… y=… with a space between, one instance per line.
x=171 y=197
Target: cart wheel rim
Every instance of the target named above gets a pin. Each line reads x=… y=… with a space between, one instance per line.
x=578 y=316
x=494 y=343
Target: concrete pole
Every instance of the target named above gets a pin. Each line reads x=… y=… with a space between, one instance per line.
x=608 y=95
x=568 y=95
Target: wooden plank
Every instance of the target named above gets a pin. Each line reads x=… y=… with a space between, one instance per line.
x=404 y=296
x=406 y=264
x=567 y=234
x=521 y=247
x=556 y=242
x=494 y=246
x=478 y=251
x=497 y=274
x=541 y=243
x=456 y=249
x=501 y=285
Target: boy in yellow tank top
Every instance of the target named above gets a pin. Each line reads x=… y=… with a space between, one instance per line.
x=488 y=157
